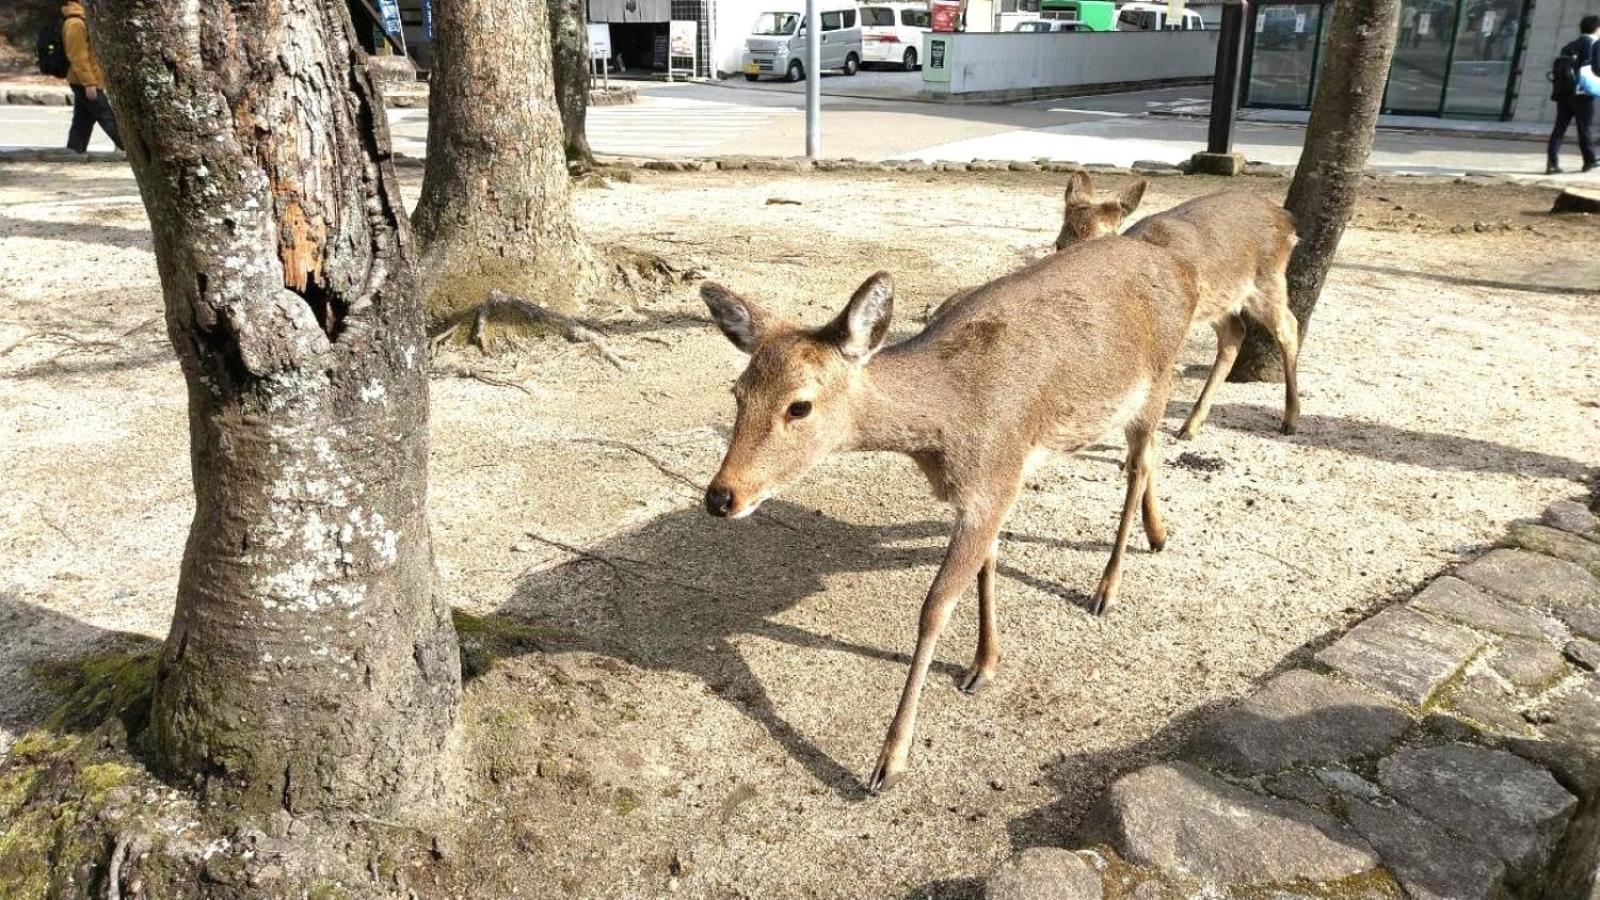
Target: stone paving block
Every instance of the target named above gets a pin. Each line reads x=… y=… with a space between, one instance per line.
x=1569 y=738
x=1531 y=665
x=1565 y=588
x=1299 y=717
x=1348 y=783
x=1403 y=653
x=1583 y=653
x=1428 y=863
x=1187 y=822
x=1300 y=786
x=1459 y=601
x=1557 y=543
x=1485 y=702
x=1570 y=516
x=1493 y=799
x=1044 y=873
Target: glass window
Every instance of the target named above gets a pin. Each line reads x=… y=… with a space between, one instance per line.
x=1285 y=52
x=1480 y=68
x=776 y=23
x=849 y=18
x=1416 y=77
x=877 y=15
x=832 y=21
x=918 y=18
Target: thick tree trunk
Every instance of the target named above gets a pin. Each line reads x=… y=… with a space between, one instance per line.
x=1327 y=180
x=496 y=207
x=569 y=49
x=309 y=666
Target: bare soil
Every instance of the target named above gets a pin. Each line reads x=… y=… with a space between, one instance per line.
x=686 y=704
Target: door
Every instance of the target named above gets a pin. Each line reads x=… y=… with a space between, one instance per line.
x=832 y=54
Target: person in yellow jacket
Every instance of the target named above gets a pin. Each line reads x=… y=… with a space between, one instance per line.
x=89 y=101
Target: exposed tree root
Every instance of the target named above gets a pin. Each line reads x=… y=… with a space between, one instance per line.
x=573 y=330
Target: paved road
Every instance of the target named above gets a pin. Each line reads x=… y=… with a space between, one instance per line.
x=862 y=119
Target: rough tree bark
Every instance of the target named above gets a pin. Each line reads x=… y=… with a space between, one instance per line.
x=309 y=666
x=496 y=207
x=1327 y=180
x=569 y=48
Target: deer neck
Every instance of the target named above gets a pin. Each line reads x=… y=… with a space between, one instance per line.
x=899 y=405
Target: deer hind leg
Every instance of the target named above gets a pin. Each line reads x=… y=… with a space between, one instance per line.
x=1155 y=527
x=1230 y=334
x=971 y=547
x=1141 y=451
x=986 y=660
x=1274 y=315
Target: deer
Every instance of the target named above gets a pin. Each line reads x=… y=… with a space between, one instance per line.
x=1239 y=244
x=1048 y=358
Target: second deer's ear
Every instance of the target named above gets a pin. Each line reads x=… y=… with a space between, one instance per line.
x=859 y=330
x=1131 y=195
x=743 y=321
x=1079 y=189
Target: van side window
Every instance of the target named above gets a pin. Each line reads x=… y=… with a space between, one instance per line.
x=916 y=18
x=849 y=18
x=831 y=20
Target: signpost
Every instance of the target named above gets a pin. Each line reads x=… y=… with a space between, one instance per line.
x=600 y=51
x=1219 y=158
x=813 y=28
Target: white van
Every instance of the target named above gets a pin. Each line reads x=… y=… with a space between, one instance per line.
x=777 y=42
x=892 y=33
x=1153 y=17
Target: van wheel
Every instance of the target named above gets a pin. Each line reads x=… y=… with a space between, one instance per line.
x=797 y=72
x=851 y=64
x=909 y=63
x=749 y=77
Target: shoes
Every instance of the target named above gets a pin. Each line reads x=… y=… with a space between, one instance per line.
x=1553 y=170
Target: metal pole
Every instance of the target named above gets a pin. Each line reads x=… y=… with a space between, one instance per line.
x=813 y=66
x=1225 y=86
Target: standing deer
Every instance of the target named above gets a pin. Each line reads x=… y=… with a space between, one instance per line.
x=1050 y=357
x=1239 y=244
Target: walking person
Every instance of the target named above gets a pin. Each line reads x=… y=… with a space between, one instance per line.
x=88 y=82
x=1572 y=104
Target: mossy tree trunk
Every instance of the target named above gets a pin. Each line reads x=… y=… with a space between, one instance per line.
x=309 y=666
x=569 y=48
x=496 y=206
x=1327 y=180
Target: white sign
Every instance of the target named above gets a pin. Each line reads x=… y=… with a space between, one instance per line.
x=1422 y=22
x=1261 y=22
x=683 y=37
x=1299 y=23
x=1488 y=22
x=599 y=40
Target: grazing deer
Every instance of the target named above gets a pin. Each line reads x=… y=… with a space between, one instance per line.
x=1051 y=357
x=1239 y=244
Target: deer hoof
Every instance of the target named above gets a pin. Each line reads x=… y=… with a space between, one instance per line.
x=1100 y=603
x=1186 y=433
x=1288 y=428
x=883 y=780
x=974 y=680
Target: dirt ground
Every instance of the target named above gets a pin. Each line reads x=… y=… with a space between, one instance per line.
x=710 y=694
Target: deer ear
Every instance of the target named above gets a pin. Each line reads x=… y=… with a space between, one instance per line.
x=1079 y=189
x=1131 y=195
x=859 y=330
x=743 y=321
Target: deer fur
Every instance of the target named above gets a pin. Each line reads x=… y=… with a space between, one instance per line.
x=1051 y=357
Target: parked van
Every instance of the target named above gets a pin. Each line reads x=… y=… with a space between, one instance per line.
x=777 y=42
x=892 y=33
x=1153 y=17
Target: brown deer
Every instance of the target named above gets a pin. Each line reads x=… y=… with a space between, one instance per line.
x=1050 y=357
x=1239 y=244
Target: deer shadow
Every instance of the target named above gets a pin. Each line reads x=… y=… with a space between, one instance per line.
x=677 y=593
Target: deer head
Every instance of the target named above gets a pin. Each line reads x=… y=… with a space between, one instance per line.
x=797 y=395
x=1086 y=218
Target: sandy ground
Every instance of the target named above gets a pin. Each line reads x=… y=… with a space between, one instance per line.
x=717 y=691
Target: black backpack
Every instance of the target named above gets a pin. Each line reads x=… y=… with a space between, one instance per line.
x=1564 y=69
x=53 y=50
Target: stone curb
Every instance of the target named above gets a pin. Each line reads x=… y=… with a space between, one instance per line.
x=1446 y=747
x=411 y=97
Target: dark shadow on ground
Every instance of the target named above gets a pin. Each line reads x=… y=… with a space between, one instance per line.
x=80 y=232
x=674 y=595
x=1463 y=281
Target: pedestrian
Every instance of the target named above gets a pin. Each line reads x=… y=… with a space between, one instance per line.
x=88 y=82
x=1572 y=104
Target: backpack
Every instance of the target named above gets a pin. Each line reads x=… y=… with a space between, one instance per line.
x=53 y=50
x=1564 y=68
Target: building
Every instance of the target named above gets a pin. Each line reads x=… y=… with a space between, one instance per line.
x=1457 y=59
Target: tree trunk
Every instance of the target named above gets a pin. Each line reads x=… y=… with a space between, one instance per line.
x=569 y=50
x=496 y=207
x=310 y=666
x=1327 y=180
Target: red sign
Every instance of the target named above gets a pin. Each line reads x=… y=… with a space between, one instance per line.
x=946 y=15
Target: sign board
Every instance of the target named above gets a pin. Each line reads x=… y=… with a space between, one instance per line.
x=427 y=19
x=599 y=40
x=390 y=10
x=1299 y=23
x=946 y=16
x=1489 y=19
x=1423 y=22
x=683 y=37
x=936 y=56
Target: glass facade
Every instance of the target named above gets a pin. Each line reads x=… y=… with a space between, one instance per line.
x=1455 y=58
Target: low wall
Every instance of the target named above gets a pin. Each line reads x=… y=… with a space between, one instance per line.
x=1001 y=66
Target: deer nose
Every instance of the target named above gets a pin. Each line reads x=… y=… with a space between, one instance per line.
x=719 y=501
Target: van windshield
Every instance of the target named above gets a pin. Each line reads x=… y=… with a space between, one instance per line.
x=776 y=23
x=877 y=15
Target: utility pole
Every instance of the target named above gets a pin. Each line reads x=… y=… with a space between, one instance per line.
x=813 y=81
x=1219 y=158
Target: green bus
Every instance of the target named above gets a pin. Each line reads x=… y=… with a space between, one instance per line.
x=1093 y=15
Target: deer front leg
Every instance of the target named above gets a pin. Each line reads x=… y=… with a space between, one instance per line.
x=1141 y=450
x=970 y=546
x=987 y=658
x=1230 y=335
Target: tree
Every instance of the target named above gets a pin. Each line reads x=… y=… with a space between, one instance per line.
x=496 y=208
x=310 y=666
x=569 y=49
x=1327 y=180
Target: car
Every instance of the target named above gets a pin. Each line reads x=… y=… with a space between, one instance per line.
x=777 y=42
x=1042 y=26
x=892 y=33
x=1153 y=17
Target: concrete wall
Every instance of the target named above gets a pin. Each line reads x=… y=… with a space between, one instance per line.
x=1551 y=25
x=1003 y=66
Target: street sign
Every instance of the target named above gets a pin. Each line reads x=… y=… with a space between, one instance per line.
x=683 y=37
x=599 y=40
x=390 y=10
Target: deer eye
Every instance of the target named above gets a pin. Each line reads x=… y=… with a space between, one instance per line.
x=800 y=409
